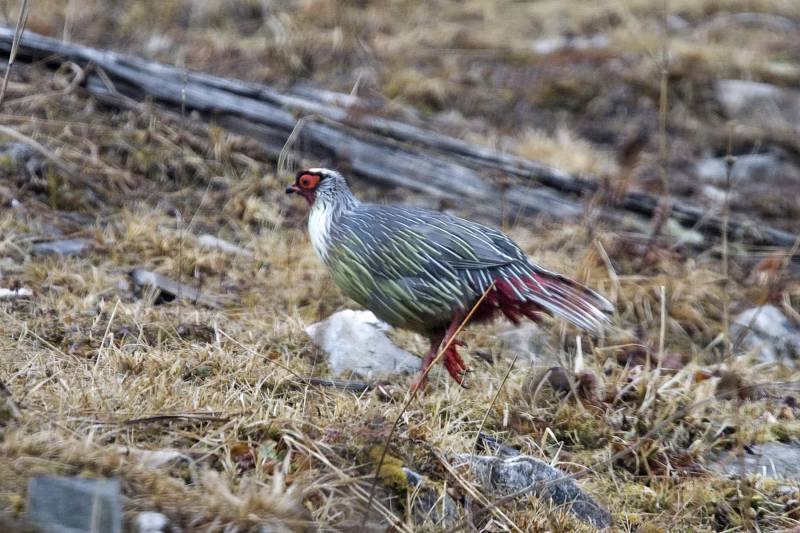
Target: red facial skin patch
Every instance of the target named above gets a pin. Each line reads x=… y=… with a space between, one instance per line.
x=306 y=185
x=308 y=181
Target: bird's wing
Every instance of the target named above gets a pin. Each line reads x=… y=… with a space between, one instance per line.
x=453 y=241
x=411 y=262
x=412 y=266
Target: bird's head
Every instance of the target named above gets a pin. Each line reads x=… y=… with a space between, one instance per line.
x=314 y=183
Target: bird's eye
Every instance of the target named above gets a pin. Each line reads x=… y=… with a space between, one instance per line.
x=308 y=181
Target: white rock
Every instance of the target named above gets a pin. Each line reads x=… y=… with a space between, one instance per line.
x=13 y=294
x=157 y=44
x=63 y=247
x=770 y=333
x=684 y=234
x=159 y=458
x=210 y=241
x=151 y=522
x=771 y=459
x=354 y=341
x=548 y=45
x=759 y=104
x=430 y=505
x=745 y=168
x=715 y=195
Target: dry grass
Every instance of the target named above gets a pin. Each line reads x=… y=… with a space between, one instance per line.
x=566 y=151
x=106 y=378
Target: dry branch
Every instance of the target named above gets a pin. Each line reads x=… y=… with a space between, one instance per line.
x=381 y=150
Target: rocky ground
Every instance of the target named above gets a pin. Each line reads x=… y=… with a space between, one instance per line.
x=157 y=288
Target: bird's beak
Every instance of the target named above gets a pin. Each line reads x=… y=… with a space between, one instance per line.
x=292 y=188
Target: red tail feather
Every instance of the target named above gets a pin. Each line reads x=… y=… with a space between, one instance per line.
x=545 y=292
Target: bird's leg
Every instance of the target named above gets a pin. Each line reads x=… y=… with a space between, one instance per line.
x=452 y=360
x=436 y=341
x=455 y=366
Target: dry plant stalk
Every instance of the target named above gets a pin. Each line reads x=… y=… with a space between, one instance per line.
x=20 y=27
x=413 y=394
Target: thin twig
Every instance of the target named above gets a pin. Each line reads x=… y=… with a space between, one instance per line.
x=662 y=211
x=21 y=21
x=491 y=404
x=730 y=160
x=179 y=416
x=413 y=395
x=16 y=135
x=253 y=352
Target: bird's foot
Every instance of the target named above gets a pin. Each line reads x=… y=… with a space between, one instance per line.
x=452 y=361
x=455 y=366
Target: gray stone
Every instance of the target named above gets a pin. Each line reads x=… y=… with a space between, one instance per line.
x=683 y=234
x=164 y=458
x=527 y=340
x=769 y=333
x=513 y=474
x=355 y=342
x=275 y=527
x=74 y=504
x=549 y=45
x=8 y=407
x=23 y=156
x=151 y=522
x=496 y=446
x=725 y=20
x=717 y=196
x=210 y=241
x=64 y=247
x=15 y=294
x=429 y=505
x=169 y=289
x=774 y=460
x=677 y=23
x=759 y=104
x=746 y=168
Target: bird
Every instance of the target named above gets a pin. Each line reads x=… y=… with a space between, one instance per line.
x=429 y=271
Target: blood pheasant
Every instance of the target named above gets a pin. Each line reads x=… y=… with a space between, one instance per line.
x=425 y=270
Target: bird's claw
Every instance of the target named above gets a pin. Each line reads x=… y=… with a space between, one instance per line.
x=455 y=366
x=452 y=361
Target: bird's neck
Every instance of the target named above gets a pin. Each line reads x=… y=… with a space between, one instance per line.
x=324 y=215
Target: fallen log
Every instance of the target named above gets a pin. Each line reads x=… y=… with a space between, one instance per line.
x=371 y=147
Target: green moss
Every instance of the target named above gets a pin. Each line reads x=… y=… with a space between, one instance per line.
x=6 y=162
x=54 y=183
x=567 y=93
x=785 y=432
x=391 y=473
x=581 y=428
x=146 y=161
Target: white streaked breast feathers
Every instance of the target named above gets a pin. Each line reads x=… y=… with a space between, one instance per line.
x=319 y=227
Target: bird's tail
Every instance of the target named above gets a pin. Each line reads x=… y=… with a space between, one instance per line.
x=556 y=294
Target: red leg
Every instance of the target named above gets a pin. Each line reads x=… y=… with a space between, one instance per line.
x=426 y=362
x=455 y=366
x=452 y=360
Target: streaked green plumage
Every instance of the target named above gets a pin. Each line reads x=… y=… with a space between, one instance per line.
x=419 y=269
x=412 y=267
